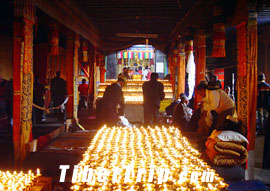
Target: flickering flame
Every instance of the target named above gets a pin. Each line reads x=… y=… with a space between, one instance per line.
x=133 y=92
x=17 y=181
x=148 y=148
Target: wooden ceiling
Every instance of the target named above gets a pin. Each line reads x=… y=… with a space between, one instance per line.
x=135 y=16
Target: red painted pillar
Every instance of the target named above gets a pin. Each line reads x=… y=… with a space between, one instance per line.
x=17 y=56
x=200 y=60
x=181 y=68
x=70 y=74
x=247 y=84
x=24 y=18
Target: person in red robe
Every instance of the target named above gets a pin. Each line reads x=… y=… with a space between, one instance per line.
x=83 y=89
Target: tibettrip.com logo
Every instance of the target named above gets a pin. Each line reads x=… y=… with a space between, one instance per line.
x=161 y=175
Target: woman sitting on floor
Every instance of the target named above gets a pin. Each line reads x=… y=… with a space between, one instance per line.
x=215 y=107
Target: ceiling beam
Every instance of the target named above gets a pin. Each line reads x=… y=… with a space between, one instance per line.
x=68 y=13
x=137 y=35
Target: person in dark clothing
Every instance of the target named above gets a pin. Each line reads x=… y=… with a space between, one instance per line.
x=169 y=110
x=182 y=114
x=38 y=91
x=113 y=102
x=263 y=102
x=59 y=92
x=153 y=93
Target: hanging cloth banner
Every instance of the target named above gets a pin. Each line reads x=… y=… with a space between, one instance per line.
x=140 y=55
x=146 y=55
x=125 y=55
x=54 y=41
x=219 y=38
x=85 y=52
x=120 y=55
x=219 y=35
x=190 y=68
x=130 y=56
x=134 y=55
x=150 y=55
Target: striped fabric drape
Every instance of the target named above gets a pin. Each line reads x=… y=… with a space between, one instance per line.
x=135 y=54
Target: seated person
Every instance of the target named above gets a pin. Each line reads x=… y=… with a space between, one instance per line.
x=215 y=107
x=182 y=114
x=170 y=108
x=227 y=89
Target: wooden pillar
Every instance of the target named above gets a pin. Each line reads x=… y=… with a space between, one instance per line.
x=91 y=72
x=70 y=74
x=102 y=69
x=181 y=69
x=75 y=76
x=247 y=83
x=173 y=65
x=200 y=60
x=24 y=19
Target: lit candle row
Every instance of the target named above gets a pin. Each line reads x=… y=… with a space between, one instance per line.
x=136 y=90
x=149 y=148
x=11 y=181
x=135 y=99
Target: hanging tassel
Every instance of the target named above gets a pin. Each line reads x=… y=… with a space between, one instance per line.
x=54 y=41
x=219 y=35
x=85 y=52
x=219 y=38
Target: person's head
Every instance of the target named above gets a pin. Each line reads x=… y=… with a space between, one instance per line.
x=227 y=89
x=83 y=81
x=122 y=80
x=261 y=77
x=181 y=95
x=58 y=73
x=136 y=70
x=146 y=67
x=125 y=69
x=214 y=85
x=140 y=68
x=201 y=87
x=184 y=99
x=213 y=78
x=154 y=76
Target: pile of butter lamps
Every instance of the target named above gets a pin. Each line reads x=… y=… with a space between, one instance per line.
x=144 y=158
x=11 y=181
